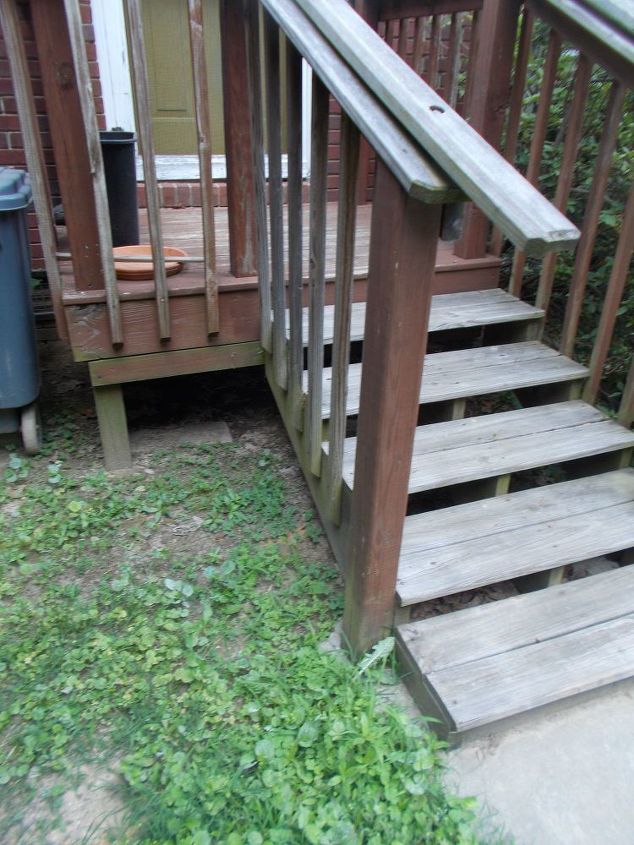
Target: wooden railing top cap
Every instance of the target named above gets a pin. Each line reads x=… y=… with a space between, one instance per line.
x=527 y=218
x=414 y=169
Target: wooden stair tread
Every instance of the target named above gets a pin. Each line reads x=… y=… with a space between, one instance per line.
x=473 y=372
x=492 y=662
x=496 y=444
x=468 y=546
x=448 y=311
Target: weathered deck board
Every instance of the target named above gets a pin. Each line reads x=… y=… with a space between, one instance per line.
x=506 y=684
x=449 y=311
x=497 y=444
x=454 y=639
x=468 y=546
x=474 y=372
x=182 y=228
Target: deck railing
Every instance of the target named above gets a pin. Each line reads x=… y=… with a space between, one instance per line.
x=414 y=132
x=74 y=132
x=600 y=42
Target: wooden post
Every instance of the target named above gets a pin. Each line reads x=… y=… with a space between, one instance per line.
x=23 y=90
x=203 y=129
x=238 y=140
x=68 y=137
x=402 y=255
x=113 y=426
x=140 y=82
x=488 y=100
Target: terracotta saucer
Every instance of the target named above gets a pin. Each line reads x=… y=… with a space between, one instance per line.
x=137 y=271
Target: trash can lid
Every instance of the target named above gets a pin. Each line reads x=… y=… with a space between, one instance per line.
x=15 y=189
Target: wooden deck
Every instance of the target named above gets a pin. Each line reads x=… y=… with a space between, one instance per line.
x=182 y=228
x=239 y=304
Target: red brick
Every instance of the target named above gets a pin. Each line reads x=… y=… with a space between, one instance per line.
x=9 y=105
x=36 y=252
x=168 y=195
x=183 y=194
x=91 y=51
x=13 y=158
x=140 y=192
x=196 y=195
x=86 y=13
x=89 y=33
x=220 y=194
x=8 y=122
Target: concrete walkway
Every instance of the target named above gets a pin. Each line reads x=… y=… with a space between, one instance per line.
x=565 y=776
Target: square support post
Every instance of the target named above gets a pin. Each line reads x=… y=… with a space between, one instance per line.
x=403 y=244
x=489 y=92
x=238 y=139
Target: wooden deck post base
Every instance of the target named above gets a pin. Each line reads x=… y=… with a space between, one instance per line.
x=113 y=426
x=402 y=252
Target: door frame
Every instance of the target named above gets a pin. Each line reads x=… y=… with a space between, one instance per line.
x=116 y=87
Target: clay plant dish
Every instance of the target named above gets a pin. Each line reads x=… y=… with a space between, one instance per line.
x=138 y=271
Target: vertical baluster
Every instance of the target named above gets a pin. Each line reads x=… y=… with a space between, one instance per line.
x=472 y=58
x=453 y=59
x=252 y=24
x=515 y=105
x=626 y=410
x=402 y=257
x=203 y=128
x=84 y=90
x=612 y=301
x=273 y=124
x=317 y=266
x=431 y=77
x=138 y=71
x=537 y=142
x=10 y=22
x=419 y=45
x=493 y=35
x=344 y=274
x=574 y=129
x=594 y=205
x=295 y=259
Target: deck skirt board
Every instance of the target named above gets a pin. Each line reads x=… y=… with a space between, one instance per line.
x=448 y=311
x=514 y=535
x=474 y=372
x=496 y=444
x=505 y=685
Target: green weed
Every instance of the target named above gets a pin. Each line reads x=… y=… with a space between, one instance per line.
x=199 y=672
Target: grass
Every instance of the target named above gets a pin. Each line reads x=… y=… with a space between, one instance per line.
x=166 y=625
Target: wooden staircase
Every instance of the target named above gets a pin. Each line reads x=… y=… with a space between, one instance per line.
x=473 y=667
x=447 y=447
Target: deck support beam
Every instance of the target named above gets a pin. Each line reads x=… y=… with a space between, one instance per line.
x=402 y=251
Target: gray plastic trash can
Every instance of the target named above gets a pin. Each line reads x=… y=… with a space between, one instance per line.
x=19 y=370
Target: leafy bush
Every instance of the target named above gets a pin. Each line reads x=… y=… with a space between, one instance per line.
x=621 y=175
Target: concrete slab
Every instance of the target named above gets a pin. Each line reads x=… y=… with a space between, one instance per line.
x=190 y=433
x=562 y=776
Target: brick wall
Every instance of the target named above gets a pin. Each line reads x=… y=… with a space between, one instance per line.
x=11 y=146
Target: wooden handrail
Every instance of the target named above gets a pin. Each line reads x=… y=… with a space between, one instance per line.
x=524 y=215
